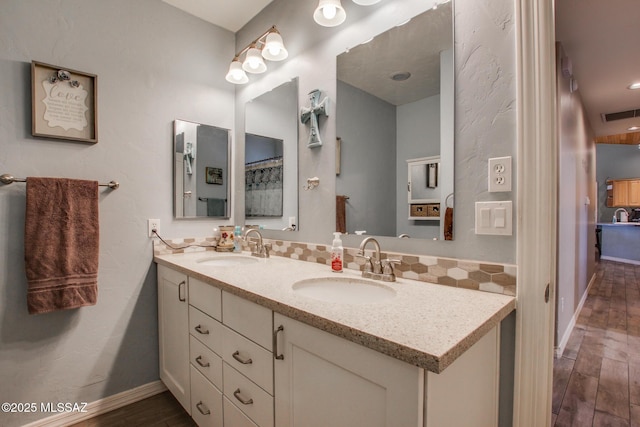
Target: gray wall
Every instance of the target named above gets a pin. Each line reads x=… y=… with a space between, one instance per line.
x=367 y=126
x=614 y=161
x=418 y=136
x=485 y=116
x=576 y=218
x=154 y=64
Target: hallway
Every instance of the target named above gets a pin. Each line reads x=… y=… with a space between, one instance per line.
x=597 y=380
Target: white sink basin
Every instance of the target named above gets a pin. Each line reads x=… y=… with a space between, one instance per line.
x=228 y=260
x=343 y=290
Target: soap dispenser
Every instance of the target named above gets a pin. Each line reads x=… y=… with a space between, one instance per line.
x=337 y=253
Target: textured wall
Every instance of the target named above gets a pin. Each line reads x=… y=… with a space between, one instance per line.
x=485 y=116
x=154 y=64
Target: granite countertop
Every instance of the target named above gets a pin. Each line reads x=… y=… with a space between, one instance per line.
x=424 y=324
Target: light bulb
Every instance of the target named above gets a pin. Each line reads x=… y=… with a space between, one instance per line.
x=329 y=11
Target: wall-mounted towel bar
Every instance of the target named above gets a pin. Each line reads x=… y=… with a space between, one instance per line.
x=8 y=179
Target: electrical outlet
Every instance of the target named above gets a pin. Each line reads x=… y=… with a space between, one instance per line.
x=500 y=174
x=562 y=305
x=292 y=221
x=153 y=224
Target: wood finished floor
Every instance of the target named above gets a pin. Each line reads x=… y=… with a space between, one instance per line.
x=155 y=411
x=596 y=382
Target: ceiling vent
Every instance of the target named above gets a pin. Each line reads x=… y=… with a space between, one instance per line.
x=630 y=114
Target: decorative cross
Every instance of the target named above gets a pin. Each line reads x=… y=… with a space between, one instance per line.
x=311 y=114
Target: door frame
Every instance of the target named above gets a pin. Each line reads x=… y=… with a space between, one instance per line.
x=536 y=212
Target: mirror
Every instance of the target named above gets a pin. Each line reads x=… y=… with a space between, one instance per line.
x=271 y=159
x=395 y=127
x=201 y=170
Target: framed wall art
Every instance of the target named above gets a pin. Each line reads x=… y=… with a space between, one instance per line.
x=213 y=175
x=64 y=103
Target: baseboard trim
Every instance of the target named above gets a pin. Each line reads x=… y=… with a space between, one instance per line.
x=102 y=406
x=624 y=260
x=567 y=333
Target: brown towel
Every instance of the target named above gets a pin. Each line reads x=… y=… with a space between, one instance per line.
x=448 y=224
x=341 y=214
x=61 y=244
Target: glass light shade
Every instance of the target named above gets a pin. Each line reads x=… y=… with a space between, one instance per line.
x=236 y=74
x=253 y=63
x=329 y=13
x=366 y=2
x=273 y=49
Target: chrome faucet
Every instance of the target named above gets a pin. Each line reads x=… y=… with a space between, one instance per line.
x=261 y=250
x=375 y=268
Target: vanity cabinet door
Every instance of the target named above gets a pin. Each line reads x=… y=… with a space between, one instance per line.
x=173 y=328
x=323 y=380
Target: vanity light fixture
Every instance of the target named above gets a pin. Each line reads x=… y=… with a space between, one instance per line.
x=634 y=128
x=268 y=46
x=634 y=86
x=329 y=13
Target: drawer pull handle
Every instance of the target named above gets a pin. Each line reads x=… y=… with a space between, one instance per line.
x=201 y=331
x=180 y=292
x=204 y=411
x=275 y=343
x=242 y=399
x=199 y=362
x=236 y=356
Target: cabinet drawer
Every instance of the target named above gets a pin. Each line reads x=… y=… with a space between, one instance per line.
x=206 y=361
x=206 y=298
x=206 y=329
x=249 y=319
x=248 y=358
x=258 y=404
x=234 y=416
x=206 y=401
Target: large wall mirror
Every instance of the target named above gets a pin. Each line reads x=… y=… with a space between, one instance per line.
x=271 y=159
x=201 y=170
x=395 y=124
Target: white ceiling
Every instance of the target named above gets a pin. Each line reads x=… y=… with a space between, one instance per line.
x=229 y=14
x=602 y=39
x=413 y=47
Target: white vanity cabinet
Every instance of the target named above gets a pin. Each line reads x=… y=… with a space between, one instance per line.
x=173 y=324
x=231 y=362
x=215 y=352
x=322 y=380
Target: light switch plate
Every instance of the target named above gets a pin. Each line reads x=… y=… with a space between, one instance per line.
x=500 y=176
x=494 y=218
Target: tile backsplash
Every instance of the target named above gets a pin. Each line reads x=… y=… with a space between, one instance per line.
x=489 y=277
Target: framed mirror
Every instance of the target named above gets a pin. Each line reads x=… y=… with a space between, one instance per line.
x=271 y=159
x=201 y=170
x=395 y=124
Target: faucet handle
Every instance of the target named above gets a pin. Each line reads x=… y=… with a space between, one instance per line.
x=265 y=249
x=368 y=266
x=387 y=269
